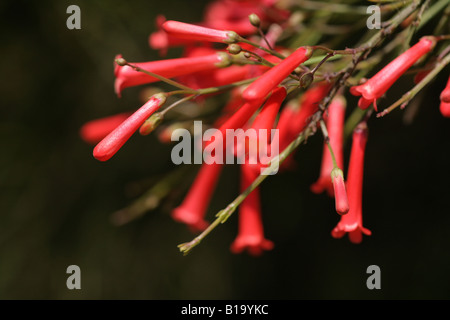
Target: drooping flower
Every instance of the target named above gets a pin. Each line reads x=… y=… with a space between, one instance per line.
x=251 y=231
x=94 y=131
x=309 y=104
x=127 y=76
x=377 y=86
x=261 y=87
x=352 y=222
x=194 y=206
x=335 y=125
x=445 y=94
x=108 y=147
x=340 y=193
x=194 y=32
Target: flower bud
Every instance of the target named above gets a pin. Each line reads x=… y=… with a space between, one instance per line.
x=151 y=123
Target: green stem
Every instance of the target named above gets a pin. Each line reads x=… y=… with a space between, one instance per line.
x=271 y=52
x=164 y=79
x=224 y=214
x=432 y=11
x=403 y=101
x=326 y=137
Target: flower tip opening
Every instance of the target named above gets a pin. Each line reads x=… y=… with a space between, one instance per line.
x=255 y=246
x=191 y=219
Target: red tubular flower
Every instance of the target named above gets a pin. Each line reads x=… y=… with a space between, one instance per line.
x=160 y=40
x=94 y=131
x=251 y=232
x=376 y=86
x=194 y=206
x=261 y=87
x=126 y=76
x=445 y=94
x=233 y=15
x=297 y=118
x=335 y=127
x=117 y=138
x=340 y=194
x=265 y=121
x=198 y=33
x=284 y=123
x=352 y=221
x=239 y=118
x=268 y=114
x=219 y=76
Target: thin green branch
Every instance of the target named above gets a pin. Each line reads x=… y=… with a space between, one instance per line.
x=404 y=100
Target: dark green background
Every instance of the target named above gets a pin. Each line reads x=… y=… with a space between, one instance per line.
x=56 y=199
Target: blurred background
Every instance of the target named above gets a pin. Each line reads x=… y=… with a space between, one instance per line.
x=56 y=200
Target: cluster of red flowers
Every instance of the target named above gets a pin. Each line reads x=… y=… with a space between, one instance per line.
x=260 y=103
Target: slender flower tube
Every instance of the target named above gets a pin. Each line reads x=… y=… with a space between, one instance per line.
x=261 y=87
x=445 y=94
x=160 y=40
x=352 y=221
x=335 y=127
x=106 y=148
x=283 y=126
x=265 y=121
x=126 y=76
x=296 y=119
x=309 y=104
x=251 y=232
x=238 y=120
x=198 y=33
x=340 y=194
x=376 y=86
x=94 y=131
x=194 y=206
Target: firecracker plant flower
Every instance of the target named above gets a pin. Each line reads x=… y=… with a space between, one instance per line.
x=352 y=221
x=376 y=86
x=272 y=64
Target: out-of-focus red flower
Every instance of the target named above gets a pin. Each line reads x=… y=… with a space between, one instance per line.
x=233 y=15
x=251 y=232
x=444 y=108
x=194 y=206
x=95 y=130
x=292 y=122
x=445 y=94
x=194 y=32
